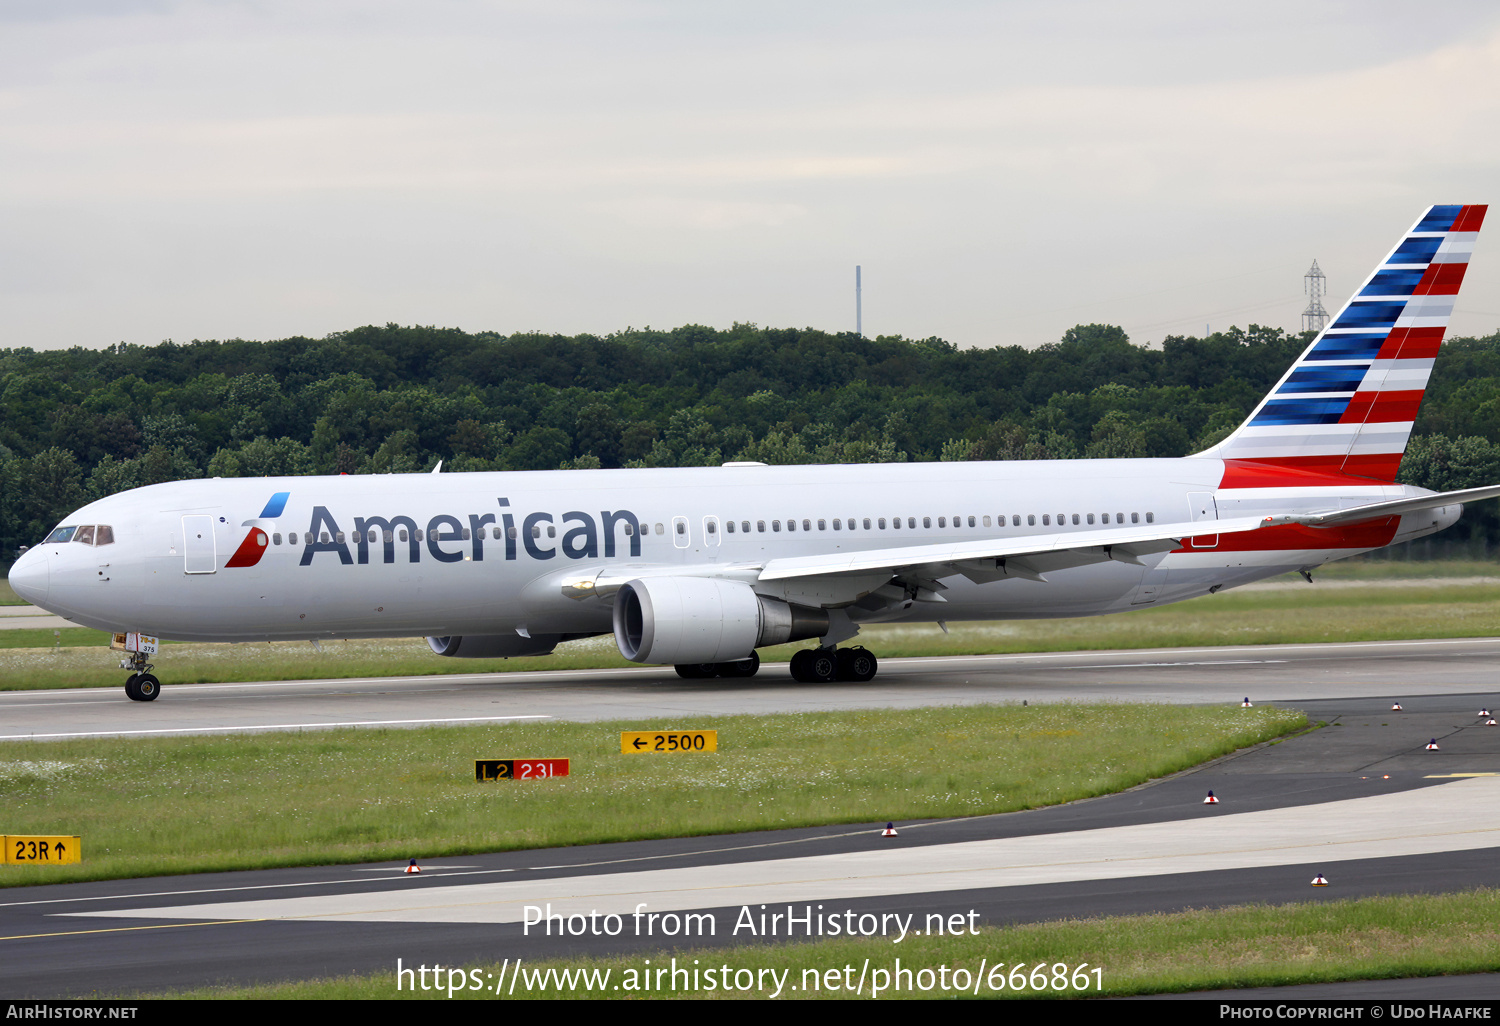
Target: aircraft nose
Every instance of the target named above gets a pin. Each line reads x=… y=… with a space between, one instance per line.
x=29 y=577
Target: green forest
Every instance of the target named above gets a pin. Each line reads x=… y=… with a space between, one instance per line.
x=79 y=424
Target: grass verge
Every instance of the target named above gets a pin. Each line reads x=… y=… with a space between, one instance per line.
x=1280 y=616
x=1244 y=946
x=192 y=804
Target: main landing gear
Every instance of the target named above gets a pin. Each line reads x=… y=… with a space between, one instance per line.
x=140 y=686
x=702 y=671
x=822 y=665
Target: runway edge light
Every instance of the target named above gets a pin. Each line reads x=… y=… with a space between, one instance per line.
x=889 y=831
x=1246 y=704
x=1396 y=707
x=1320 y=881
x=412 y=867
x=1432 y=745
x=1210 y=800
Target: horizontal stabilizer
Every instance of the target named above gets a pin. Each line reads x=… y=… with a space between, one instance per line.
x=1396 y=507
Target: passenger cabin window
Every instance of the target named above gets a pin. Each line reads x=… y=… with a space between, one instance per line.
x=745 y=527
x=1031 y=520
x=1150 y=518
x=1135 y=518
x=926 y=521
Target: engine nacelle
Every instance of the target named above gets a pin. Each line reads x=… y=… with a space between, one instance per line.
x=705 y=620
x=493 y=646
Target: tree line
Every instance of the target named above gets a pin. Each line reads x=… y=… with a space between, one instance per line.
x=80 y=424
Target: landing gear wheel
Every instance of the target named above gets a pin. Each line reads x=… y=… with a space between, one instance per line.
x=696 y=671
x=130 y=691
x=799 y=666
x=147 y=688
x=856 y=664
x=822 y=665
x=740 y=667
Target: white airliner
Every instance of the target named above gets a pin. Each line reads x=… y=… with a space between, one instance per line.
x=699 y=567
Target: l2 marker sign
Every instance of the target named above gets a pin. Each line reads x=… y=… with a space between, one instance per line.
x=519 y=769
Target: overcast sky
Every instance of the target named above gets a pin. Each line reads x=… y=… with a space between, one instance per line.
x=1002 y=170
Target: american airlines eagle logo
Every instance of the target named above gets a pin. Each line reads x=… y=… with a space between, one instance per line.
x=255 y=543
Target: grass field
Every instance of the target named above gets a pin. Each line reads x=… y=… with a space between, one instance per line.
x=172 y=805
x=1245 y=946
x=1342 y=609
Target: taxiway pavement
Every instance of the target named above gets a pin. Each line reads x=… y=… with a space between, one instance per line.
x=1360 y=801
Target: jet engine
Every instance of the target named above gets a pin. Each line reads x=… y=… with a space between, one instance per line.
x=705 y=620
x=494 y=646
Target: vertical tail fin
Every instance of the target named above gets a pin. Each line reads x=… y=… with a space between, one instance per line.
x=1346 y=407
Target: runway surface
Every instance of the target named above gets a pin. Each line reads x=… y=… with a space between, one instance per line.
x=1361 y=802
x=1272 y=673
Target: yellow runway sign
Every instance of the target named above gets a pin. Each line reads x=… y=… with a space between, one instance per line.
x=38 y=850
x=632 y=741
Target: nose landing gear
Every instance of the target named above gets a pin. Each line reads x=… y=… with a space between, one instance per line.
x=140 y=686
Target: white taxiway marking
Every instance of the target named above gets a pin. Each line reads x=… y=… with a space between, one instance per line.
x=275 y=726
x=1460 y=816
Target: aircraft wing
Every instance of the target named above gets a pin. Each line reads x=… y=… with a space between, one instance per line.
x=995 y=559
x=1395 y=507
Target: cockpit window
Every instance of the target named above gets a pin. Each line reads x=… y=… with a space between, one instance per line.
x=88 y=534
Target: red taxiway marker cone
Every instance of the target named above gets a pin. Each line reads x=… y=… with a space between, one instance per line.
x=1489 y=723
x=1246 y=703
x=412 y=867
x=1320 y=881
x=1432 y=745
x=1396 y=707
x=889 y=831
x=1210 y=800
x=1484 y=712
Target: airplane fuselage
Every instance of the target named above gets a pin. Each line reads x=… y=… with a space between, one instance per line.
x=264 y=559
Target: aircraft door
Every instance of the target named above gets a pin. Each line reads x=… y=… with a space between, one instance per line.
x=680 y=536
x=711 y=536
x=198 y=553
x=1201 y=506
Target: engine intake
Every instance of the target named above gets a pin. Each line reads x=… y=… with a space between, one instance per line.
x=705 y=620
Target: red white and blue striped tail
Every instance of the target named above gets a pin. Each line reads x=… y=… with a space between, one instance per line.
x=1346 y=407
